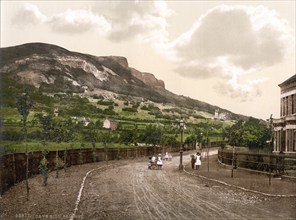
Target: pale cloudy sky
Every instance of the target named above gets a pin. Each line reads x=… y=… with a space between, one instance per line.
x=232 y=54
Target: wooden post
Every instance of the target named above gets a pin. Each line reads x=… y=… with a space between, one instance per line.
x=65 y=159
x=57 y=164
x=13 y=167
x=1 y=168
x=106 y=153
x=27 y=171
x=232 y=162
x=269 y=179
x=271 y=148
x=181 y=149
x=208 y=155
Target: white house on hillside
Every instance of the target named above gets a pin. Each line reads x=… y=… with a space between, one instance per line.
x=110 y=124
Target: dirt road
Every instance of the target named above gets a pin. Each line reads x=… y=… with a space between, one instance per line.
x=127 y=190
x=134 y=192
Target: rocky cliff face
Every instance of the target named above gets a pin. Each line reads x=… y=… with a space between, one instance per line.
x=120 y=60
x=148 y=79
x=50 y=68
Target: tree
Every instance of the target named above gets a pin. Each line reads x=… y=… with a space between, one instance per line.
x=43 y=168
x=91 y=135
x=127 y=136
x=46 y=124
x=169 y=140
x=236 y=133
x=60 y=133
x=191 y=140
x=252 y=133
x=79 y=137
x=152 y=135
x=256 y=134
x=24 y=105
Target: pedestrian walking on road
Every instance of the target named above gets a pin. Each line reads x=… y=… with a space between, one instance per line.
x=197 y=160
x=192 y=161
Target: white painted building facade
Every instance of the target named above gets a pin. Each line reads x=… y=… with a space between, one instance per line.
x=285 y=127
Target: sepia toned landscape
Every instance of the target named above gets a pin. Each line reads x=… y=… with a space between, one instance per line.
x=148 y=110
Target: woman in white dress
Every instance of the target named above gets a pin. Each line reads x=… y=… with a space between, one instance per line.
x=197 y=160
x=159 y=161
x=166 y=156
x=153 y=162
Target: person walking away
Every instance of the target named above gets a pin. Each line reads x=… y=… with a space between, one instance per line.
x=192 y=161
x=197 y=160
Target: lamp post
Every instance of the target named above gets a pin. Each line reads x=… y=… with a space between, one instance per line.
x=182 y=125
x=208 y=159
x=200 y=140
x=232 y=163
x=271 y=146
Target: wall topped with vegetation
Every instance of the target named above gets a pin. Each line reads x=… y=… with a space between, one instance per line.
x=13 y=166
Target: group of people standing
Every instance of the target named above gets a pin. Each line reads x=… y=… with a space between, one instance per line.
x=157 y=162
x=154 y=161
x=196 y=161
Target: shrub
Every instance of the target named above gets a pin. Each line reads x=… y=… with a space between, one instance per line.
x=127 y=109
x=44 y=170
x=59 y=164
x=95 y=96
x=108 y=111
x=145 y=108
x=102 y=102
x=94 y=155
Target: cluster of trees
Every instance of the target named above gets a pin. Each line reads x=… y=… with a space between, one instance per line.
x=252 y=134
x=69 y=130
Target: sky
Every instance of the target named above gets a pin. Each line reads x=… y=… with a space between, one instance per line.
x=232 y=54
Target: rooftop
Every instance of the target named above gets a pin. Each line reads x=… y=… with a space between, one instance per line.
x=290 y=80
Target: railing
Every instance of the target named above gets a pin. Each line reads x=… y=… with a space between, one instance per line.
x=276 y=164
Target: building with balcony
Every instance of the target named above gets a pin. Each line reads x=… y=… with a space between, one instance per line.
x=284 y=128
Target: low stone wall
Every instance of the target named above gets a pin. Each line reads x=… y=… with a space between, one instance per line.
x=13 y=166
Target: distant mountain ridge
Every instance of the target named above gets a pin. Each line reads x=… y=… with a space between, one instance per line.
x=51 y=68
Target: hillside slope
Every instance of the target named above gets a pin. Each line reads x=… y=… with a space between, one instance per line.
x=50 y=68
